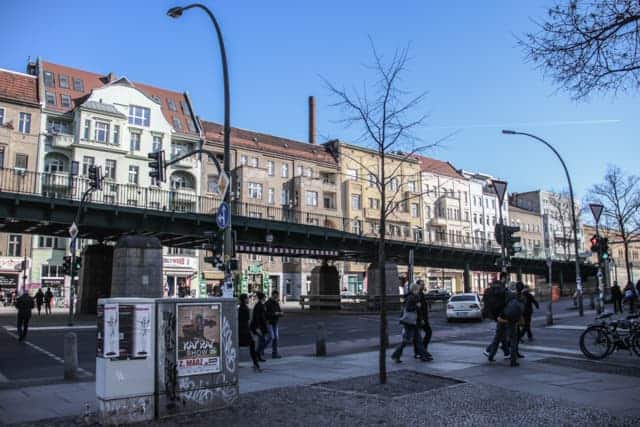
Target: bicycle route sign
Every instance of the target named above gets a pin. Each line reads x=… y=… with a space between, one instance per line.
x=223 y=216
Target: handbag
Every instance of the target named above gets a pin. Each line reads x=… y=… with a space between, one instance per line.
x=409 y=318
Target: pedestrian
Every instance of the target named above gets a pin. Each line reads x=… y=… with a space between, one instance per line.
x=409 y=320
x=512 y=316
x=630 y=296
x=48 y=296
x=273 y=316
x=245 y=339
x=423 y=323
x=616 y=297
x=529 y=301
x=493 y=302
x=39 y=300
x=24 y=304
x=259 y=325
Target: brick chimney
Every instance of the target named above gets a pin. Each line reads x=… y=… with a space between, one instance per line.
x=312 y=120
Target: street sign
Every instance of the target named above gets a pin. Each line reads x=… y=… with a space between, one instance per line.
x=223 y=184
x=596 y=210
x=223 y=216
x=73 y=231
x=579 y=283
x=501 y=188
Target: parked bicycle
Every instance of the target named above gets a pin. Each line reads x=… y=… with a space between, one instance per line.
x=603 y=338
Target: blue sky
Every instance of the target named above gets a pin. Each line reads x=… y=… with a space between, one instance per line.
x=463 y=53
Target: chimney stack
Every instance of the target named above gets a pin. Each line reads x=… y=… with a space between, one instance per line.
x=312 y=120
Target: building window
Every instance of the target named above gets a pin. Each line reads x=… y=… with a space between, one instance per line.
x=86 y=162
x=50 y=97
x=182 y=181
x=356 y=227
x=243 y=160
x=372 y=180
x=285 y=170
x=411 y=186
x=48 y=79
x=101 y=132
x=116 y=135
x=254 y=162
x=47 y=242
x=1 y=116
x=15 y=245
x=53 y=164
x=177 y=124
x=134 y=142
x=22 y=161
x=414 y=210
x=87 y=129
x=299 y=171
x=352 y=174
x=156 y=145
x=271 y=167
x=190 y=125
x=185 y=107
x=139 y=116
x=284 y=195
x=212 y=183
x=393 y=184
x=308 y=172
x=312 y=198
x=78 y=85
x=172 y=105
x=374 y=203
x=271 y=196
x=65 y=101
x=356 y=201
x=24 y=124
x=133 y=174
x=63 y=81
x=255 y=191
x=110 y=169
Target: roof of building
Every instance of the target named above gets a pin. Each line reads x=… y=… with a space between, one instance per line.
x=439 y=167
x=517 y=209
x=102 y=107
x=173 y=104
x=18 y=87
x=269 y=143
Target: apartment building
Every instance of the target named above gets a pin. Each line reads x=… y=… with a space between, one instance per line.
x=616 y=264
x=19 y=132
x=108 y=121
x=531 y=237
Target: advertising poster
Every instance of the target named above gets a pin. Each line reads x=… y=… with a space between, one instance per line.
x=111 y=338
x=198 y=339
x=125 y=323
x=141 y=330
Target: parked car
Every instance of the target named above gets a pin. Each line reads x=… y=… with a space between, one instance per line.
x=438 y=295
x=464 y=306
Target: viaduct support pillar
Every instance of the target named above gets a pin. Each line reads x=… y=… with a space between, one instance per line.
x=137 y=268
x=95 y=277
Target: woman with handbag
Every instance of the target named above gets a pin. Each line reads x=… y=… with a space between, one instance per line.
x=409 y=320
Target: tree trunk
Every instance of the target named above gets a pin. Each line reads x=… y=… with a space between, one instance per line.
x=383 y=277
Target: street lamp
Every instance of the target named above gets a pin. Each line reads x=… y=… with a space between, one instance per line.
x=573 y=211
x=176 y=12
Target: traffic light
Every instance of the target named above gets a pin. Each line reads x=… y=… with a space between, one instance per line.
x=78 y=264
x=505 y=237
x=157 y=165
x=95 y=177
x=66 y=265
x=604 y=248
x=595 y=243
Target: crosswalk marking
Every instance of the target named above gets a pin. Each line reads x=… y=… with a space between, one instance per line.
x=568 y=327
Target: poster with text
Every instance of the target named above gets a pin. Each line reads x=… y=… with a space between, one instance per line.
x=198 y=336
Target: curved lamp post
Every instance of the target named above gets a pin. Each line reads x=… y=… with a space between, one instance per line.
x=176 y=12
x=573 y=210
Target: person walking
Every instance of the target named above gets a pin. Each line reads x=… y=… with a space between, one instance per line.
x=273 y=316
x=630 y=296
x=529 y=301
x=423 y=323
x=409 y=321
x=493 y=302
x=48 y=296
x=24 y=304
x=616 y=297
x=245 y=339
x=259 y=325
x=39 y=300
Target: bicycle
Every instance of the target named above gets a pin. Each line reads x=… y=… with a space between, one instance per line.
x=602 y=339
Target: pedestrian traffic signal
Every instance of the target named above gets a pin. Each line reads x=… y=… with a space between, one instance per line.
x=95 y=177
x=595 y=243
x=505 y=237
x=157 y=165
x=66 y=265
x=78 y=264
x=604 y=248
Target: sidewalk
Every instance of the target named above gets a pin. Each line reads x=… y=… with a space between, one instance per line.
x=548 y=394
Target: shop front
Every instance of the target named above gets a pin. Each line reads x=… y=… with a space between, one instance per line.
x=180 y=276
x=56 y=284
x=10 y=277
x=253 y=279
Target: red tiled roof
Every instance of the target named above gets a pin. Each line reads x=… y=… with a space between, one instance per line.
x=269 y=143
x=438 y=167
x=93 y=81
x=18 y=86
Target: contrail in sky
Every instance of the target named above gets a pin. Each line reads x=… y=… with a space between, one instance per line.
x=541 y=124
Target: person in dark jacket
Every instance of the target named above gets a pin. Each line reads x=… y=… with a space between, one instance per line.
x=259 y=325
x=24 y=304
x=529 y=301
x=245 y=339
x=39 y=300
x=493 y=301
x=423 y=323
x=629 y=295
x=410 y=329
x=616 y=297
x=48 y=296
x=274 y=313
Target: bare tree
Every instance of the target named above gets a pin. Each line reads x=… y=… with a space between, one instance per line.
x=387 y=116
x=589 y=46
x=620 y=195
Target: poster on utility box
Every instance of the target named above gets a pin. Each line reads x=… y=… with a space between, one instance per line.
x=198 y=330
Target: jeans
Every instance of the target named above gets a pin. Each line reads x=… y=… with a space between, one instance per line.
x=617 y=305
x=263 y=342
x=23 y=325
x=526 y=329
x=511 y=334
x=425 y=341
x=274 y=336
x=410 y=334
x=500 y=337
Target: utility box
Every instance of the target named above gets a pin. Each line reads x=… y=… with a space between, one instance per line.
x=197 y=355
x=125 y=360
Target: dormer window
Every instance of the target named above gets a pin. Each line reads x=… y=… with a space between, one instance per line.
x=78 y=85
x=50 y=97
x=63 y=81
x=48 y=79
x=185 y=107
x=172 y=105
x=177 y=124
x=139 y=116
x=65 y=101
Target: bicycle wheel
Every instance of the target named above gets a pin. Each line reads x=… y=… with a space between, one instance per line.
x=635 y=343
x=595 y=343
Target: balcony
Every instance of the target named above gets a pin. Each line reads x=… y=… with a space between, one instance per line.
x=439 y=221
x=189 y=162
x=60 y=140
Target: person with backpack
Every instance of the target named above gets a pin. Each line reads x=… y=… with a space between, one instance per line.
x=493 y=302
x=630 y=296
x=511 y=315
x=24 y=304
x=409 y=321
x=529 y=301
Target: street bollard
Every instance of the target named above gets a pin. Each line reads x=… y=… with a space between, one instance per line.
x=321 y=340
x=70 y=356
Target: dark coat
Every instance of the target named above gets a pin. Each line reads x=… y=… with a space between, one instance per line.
x=48 y=296
x=529 y=302
x=259 y=319
x=39 y=297
x=273 y=311
x=24 y=304
x=423 y=311
x=411 y=303
x=244 y=332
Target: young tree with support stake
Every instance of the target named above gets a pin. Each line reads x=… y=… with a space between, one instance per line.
x=387 y=116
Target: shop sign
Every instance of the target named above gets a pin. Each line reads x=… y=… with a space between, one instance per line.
x=8 y=280
x=198 y=339
x=178 y=261
x=254 y=269
x=10 y=263
x=52 y=281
